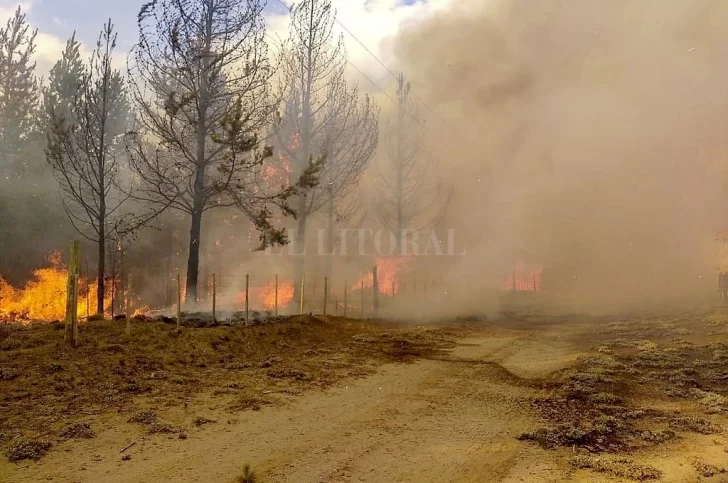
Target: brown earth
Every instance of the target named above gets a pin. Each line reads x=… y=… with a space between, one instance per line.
x=341 y=401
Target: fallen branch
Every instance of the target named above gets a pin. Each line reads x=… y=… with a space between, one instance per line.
x=127 y=447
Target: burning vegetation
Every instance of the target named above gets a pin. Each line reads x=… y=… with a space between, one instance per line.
x=388 y=275
x=524 y=278
x=276 y=294
x=43 y=298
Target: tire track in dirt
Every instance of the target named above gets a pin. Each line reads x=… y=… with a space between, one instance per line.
x=448 y=420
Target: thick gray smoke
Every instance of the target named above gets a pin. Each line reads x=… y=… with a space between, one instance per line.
x=585 y=135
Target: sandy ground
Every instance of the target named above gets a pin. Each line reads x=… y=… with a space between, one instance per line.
x=451 y=419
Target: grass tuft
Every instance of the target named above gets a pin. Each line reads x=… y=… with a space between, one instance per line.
x=25 y=449
x=619 y=467
x=248 y=476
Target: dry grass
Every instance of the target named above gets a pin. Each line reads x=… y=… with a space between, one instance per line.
x=143 y=417
x=78 y=431
x=619 y=467
x=45 y=385
x=244 y=403
x=707 y=470
x=27 y=449
x=201 y=421
x=610 y=401
x=248 y=476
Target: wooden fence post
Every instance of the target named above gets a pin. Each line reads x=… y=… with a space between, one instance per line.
x=326 y=293
x=247 y=298
x=72 y=296
x=167 y=301
x=276 y=300
x=128 y=305
x=303 y=288
x=214 y=298
x=113 y=292
x=345 y=292
x=179 y=304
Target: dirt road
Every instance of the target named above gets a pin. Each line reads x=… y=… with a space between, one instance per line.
x=452 y=419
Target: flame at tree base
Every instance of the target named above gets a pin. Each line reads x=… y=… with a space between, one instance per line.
x=388 y=269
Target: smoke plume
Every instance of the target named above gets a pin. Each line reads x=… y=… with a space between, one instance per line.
x=584 y=135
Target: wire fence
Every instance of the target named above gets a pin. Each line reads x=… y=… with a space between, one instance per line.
x=381 y=292
x=371 y=295
x=367 y=297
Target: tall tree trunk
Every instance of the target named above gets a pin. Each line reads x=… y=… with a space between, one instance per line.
x=193 y=259
x=400 y=210
x=198 y=203
x=102 y=215
x=399 y=195
x=300 y=247
x=102 y=181
x=305 y=160
x=121 y=276
x=112 y=256
x=100 y=282
x=329 y=237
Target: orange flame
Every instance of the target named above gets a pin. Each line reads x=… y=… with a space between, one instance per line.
x=388 y=269
x=44 y=297
x=266 y=295
x=523 y=278
x=141 y=311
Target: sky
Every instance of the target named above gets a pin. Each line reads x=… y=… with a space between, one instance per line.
x=374 y=22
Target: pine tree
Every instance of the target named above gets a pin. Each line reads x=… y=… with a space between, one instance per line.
x=18 y=91
x=86 y=152
x=410 y=197
x=21 y=205
x=327 y=128
x=205 y=72
x=63 y=85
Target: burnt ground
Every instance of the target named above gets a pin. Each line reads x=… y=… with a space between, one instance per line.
x=528 y=397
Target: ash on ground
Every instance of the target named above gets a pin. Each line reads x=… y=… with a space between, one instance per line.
x=205 y=319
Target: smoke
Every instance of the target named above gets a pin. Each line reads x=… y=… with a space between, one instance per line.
x=584 y=135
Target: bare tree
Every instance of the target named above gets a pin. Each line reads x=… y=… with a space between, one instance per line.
x=351 y=142
x=410 y=195
x=205 y=65
x=327 y=129
x=85 y=154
